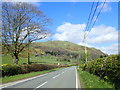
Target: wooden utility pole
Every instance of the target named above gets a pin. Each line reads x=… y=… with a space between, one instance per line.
x=85 y=42
x=86 y=59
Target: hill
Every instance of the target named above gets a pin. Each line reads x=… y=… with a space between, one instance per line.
x=62 y=48
x=51 y=52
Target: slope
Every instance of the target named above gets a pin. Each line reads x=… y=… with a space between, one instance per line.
x=67 y=48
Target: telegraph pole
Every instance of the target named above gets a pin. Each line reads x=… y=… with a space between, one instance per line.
x=89 y=25
x=85 y=42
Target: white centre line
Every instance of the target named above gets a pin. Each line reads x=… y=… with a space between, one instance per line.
x=56 y=76
x=41 y=85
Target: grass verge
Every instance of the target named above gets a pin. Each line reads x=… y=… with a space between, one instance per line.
x=23 y=76
x=88 y=80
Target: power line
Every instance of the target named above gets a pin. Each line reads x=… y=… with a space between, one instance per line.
x=90 y=18
x=97 y=17
x=88 y=26
x=93 y=15
x=89 y=15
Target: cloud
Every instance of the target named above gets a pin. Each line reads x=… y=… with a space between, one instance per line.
x=103 y=34
x=106 y=8
x=111 y=49
x=70 y=32
x=74 y=33
x=99 y=35
x=88 y=45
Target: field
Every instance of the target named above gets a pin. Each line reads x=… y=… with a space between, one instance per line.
x=49 y=52
x=48 y=59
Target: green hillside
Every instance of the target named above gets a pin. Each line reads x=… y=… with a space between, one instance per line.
x=66 y=47
x=53 y=52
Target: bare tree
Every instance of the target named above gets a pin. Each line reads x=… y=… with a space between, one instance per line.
x=22 y=23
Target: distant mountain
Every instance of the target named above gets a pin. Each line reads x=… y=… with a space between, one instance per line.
x=62 y=48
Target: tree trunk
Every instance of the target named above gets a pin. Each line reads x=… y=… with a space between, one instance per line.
x=16 y=59
x=29 y=58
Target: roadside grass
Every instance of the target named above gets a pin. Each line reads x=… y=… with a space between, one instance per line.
x=7 y=79
x=88 y=80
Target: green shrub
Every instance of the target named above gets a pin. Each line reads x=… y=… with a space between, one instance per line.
x=81 y=65
x=36 y=67
x=63 y=58
x=9 y=70
x=106 y=68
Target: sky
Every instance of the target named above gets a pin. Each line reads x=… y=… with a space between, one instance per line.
x=69 y=20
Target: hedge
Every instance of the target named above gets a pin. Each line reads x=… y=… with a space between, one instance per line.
x=107 y=68
x=9 y=70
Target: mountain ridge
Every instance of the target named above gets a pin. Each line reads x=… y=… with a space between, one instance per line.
x=61 y=46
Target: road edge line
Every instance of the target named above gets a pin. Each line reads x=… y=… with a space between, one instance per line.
x=24 y=80
x=76 y=80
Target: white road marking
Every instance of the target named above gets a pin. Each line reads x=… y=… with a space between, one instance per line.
x=20 y=81
x=41 y=85
x=76 y=79
x=10 y=84
x=13 y=83
x=56 y=76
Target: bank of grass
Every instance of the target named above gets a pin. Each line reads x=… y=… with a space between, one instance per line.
x=23 y=76
x=88 y=80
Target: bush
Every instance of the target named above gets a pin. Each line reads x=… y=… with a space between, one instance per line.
x=63 y=58
x=106 y=68
x=9 y=70
x=82 y=66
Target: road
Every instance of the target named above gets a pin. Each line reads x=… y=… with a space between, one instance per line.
x=64 y=78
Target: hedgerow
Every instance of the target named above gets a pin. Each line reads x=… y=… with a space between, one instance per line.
x=107 y=68
x=10 y=70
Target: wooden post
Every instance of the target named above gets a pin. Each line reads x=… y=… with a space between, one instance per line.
x=85 y=42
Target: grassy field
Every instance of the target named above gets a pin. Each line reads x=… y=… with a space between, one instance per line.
x=91 y=81
x=23 y=76
x=7 y=59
